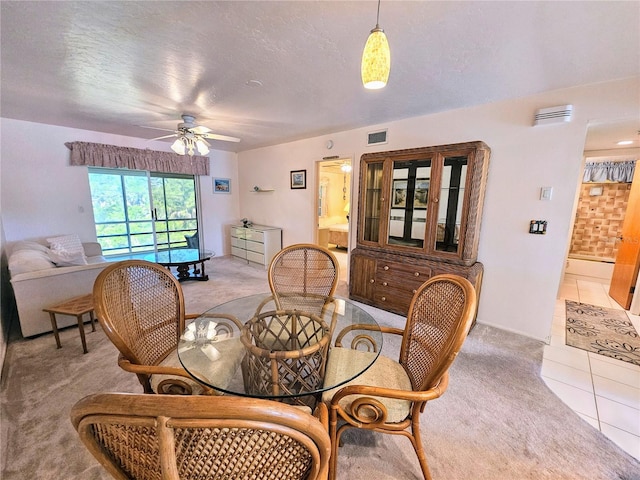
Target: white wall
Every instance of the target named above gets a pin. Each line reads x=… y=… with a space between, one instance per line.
x=522 y=271
x=42 y=195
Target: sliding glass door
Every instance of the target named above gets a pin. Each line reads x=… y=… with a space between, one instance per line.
x=137 y=211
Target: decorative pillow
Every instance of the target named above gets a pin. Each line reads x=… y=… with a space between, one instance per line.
x=70 y=243
x=67 y=250
x=29 y=245
x=67 y=259
x=29 y=261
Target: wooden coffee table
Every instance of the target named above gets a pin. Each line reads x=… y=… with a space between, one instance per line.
x=76 y=307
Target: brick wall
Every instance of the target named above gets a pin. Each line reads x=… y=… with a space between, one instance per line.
x=599 y=220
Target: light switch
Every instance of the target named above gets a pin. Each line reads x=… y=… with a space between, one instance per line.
x=545 y=193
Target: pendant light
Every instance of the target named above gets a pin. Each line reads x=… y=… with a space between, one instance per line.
x=376 y=58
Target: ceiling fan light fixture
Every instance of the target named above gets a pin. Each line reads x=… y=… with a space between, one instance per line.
x=202 y=147
x=376 y=58
x=178 y=146
x=192 y=138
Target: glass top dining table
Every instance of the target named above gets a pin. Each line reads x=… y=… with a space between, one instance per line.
x=255 y=347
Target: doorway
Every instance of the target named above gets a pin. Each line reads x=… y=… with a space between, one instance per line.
x=333 y=201
x=601 y=203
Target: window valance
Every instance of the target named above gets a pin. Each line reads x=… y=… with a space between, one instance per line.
x=111 y=156
x=599 y=172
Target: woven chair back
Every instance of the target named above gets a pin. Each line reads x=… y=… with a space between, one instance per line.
x=141 y=308
x=304 y=269
x=439 y=319
x=168 y=437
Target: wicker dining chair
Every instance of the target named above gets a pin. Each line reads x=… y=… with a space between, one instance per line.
x=303 y=276
x=390 y=396
x=168 y=437
x=140 y=306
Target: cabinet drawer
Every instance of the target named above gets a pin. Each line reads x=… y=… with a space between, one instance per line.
x=406 y=272
x=392 y=298
x=255 y=247
x=409 y=285
x=238 y=242
x=238 y=232
x=254 y=235
x=238 y=252
x=255 y=257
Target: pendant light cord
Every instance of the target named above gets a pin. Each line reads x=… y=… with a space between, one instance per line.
x=378 y=16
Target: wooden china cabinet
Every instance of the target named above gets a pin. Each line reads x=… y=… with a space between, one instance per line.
x=419 y=215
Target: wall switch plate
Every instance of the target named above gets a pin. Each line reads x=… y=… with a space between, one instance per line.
x=545 y=193
x=538 y=227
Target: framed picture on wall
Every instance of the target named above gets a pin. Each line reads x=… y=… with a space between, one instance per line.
x=221 y=185
x=298 y=179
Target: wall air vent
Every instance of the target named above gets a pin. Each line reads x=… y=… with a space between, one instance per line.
x=377 y=138
x=553 y=115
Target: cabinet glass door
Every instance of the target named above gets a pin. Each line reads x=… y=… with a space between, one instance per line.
x=451 y=203
x=372 y=202
x=410 y=184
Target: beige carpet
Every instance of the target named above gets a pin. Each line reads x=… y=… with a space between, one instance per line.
x=497 y=421
x=605 y=331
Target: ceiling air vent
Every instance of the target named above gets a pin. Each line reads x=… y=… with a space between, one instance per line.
x=376 y=138
x=553 y=115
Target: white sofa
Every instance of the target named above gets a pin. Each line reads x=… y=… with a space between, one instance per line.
x=38 y=283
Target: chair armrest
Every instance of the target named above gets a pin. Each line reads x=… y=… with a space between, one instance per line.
x=223 y=316
x=410 y=395
x=366 y=327
x=151 y=369
x=367 y=409
x=322 y=414
x=127 y=366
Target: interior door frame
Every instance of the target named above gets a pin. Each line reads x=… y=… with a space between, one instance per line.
x=318 y=170
x=627 y=265
x=635 y=303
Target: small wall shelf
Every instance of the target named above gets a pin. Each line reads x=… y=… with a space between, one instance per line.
x=261 y=190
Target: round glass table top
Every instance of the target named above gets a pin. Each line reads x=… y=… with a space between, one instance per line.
x=254 y=346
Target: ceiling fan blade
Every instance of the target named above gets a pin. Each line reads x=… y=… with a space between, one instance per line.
x=200 y=129
x=157 y=128
x=224 y=138
x=164 y=136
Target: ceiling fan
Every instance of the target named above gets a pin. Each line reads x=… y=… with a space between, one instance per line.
x=192 y=137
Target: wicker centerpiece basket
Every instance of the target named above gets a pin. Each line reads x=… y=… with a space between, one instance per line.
x=286 y=355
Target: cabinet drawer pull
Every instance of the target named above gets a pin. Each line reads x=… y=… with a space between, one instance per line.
x=372 y=281
x=386 y=267
x=384 y=299
x=417 y=274
x=385 y=284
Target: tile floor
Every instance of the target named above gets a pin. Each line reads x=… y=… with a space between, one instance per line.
x=605 y=392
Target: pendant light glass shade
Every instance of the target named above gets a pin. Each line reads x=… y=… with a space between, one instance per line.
x=376 y=60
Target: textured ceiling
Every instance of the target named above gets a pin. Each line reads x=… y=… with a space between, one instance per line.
x=114 y=66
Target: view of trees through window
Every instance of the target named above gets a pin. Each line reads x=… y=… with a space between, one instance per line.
x=138 y=211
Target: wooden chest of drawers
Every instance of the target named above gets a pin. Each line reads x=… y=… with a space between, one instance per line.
x=389 y=281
